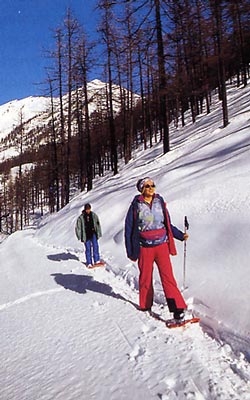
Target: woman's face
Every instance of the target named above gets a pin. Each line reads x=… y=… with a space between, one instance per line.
x=149 y=188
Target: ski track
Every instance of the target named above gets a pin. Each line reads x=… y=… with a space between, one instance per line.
x=29 y=297
x=207 y=369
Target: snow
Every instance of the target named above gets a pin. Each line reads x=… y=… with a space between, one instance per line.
x=34 y=112
x=72 y=333
x=11 y=112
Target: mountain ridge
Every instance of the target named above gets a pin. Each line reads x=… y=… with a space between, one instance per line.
x=34 y=113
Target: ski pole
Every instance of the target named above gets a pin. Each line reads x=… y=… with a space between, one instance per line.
x=186 y=227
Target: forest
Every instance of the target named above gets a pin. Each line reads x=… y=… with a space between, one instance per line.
x=160 y=60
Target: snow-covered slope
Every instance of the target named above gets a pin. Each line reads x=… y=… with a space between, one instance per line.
x=206 y=177
x=10 y=112
x=69 y=333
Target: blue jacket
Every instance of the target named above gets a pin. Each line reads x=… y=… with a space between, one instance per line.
x=132 y=235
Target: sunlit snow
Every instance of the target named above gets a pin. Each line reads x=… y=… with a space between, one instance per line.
x=68 y=333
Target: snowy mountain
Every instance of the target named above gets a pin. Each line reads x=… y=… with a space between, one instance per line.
x=35 y=115
x=71 y=333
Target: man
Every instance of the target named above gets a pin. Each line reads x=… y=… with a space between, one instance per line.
x=88 y=230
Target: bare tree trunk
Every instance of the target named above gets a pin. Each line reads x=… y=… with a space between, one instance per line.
x=221 y=67
x=162 y=79
x=106 y=5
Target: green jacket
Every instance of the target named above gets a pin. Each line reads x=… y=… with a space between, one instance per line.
x=80 y=227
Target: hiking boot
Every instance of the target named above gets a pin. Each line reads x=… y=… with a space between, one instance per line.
x=179 y=316
x=99 y=262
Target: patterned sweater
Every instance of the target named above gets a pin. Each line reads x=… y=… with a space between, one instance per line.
x=139 y=219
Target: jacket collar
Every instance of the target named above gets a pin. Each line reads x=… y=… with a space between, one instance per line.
x=141 y=198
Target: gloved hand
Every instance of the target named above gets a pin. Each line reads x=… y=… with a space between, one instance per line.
x=185 y=236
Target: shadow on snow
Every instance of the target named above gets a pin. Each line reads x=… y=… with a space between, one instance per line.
x=62 y=257
x=83 y=283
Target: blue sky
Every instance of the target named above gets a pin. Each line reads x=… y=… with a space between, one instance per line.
x=26 y=29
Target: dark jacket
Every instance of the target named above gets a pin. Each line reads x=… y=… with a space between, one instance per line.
x=80 y=227
x=132 y=235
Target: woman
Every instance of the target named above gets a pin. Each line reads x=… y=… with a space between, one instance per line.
x=149 y=237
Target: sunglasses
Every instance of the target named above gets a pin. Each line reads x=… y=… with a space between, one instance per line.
x=149 y=186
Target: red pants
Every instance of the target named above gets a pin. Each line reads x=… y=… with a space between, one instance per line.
x=160 y=255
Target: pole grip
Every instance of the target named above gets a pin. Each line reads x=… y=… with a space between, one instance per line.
x=186 y=223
